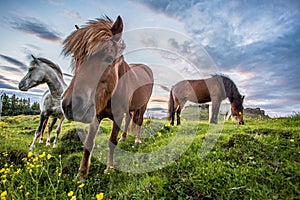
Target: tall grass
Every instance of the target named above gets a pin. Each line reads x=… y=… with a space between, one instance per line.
x=259 y=160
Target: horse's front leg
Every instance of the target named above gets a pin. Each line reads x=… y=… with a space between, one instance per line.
x=39 y=131
x=58 y=130
x=50 y=130
x=215 y=111
x=88 y=148
x=112 y=143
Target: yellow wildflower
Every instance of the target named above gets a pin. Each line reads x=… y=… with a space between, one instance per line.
x=48 y=156
x=29 y=154
x=42 y=155
x=59 y=174
x=35 y=160
x=3 y=195
x=292 y=140
x=81 y=185
x=18 y=171
x=2 y=170
x=70 y=193
x=158 y=134
x=7 y=171
x=99 y=196
x=73 y=198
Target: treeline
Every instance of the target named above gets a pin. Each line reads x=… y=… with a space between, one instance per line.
x=13 y=105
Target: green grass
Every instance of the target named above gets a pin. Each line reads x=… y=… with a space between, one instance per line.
x=260 y=160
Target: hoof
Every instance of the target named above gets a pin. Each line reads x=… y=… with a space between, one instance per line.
x=137 y=142
x=122 y=139
x=109 y=169
x=54 y=146
x=81 y=176
x=48 y=144
x=41 y=141
x=31 y=148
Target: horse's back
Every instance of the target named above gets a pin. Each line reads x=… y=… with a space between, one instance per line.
x=134 y=87
x=192 y=90
x=144 y=85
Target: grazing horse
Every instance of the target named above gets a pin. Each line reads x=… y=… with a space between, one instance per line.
x=41 y=71
x=104 y=85
x=214 y=90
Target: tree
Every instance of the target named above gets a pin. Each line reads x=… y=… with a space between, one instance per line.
x=14 y=106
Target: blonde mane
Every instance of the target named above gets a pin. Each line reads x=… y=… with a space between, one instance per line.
x=84 y=41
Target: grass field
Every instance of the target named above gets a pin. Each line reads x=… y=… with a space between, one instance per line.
x=260 y=160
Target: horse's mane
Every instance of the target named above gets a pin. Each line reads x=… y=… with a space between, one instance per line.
x=84 y=41
x=229 y=84
x=50 y=64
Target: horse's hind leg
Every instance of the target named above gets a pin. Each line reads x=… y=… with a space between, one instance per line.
x=58 y=130
x=39 y=131
x=138 y=119
x=178 y=112
x=41 y=137
x=50 y=127
x=88 y=148
x=127 y=122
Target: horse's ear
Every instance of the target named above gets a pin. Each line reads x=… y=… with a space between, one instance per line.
x=117 y=27
x=34 y=58
x=243 y=97
x=77 y=27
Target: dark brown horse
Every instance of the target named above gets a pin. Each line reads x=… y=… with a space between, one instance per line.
x=104 y=85
x=214 y=89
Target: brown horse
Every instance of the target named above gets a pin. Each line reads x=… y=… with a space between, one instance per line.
x=104 y=85
x=214 y=89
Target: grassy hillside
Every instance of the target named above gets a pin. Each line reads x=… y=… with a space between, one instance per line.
x=259 y=160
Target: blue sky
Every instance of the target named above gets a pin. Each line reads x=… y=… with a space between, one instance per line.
x=256 y=43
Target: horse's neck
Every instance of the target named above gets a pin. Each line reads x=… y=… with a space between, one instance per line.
x=230 y=89
x=56 y=84
x=123 y=67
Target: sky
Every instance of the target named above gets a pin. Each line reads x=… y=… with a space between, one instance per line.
x=256 y=43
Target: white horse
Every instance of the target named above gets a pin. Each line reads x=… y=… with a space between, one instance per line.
x=225 y=110
x=41 y=71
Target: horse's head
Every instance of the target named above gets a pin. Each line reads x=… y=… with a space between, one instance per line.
x=35 y=75
x=237 y=109
x=93 y=77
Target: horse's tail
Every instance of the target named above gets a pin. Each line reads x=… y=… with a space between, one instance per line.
x=171 y=105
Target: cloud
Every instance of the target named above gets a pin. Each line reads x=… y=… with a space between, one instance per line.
x=55 y=3
x=8 y=83
x=256 y=43
x=14 y=62
x=11 y=69
x=72 y=15
x=35 y=27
